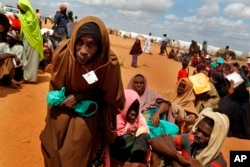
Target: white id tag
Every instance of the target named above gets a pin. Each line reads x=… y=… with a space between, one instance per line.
x=90 y=77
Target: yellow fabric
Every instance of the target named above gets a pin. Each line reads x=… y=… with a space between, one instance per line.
x=219 y=132
x=30 y=27
x=211 y=102
x=200 y=83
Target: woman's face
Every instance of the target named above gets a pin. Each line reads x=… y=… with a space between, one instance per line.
x=181 y=87
x=139 y=85
x=86 y=48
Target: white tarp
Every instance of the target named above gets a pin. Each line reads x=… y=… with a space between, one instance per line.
x=44 y=30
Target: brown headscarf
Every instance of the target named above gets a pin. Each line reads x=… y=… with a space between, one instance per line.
x=67 y=138
x=186 y=99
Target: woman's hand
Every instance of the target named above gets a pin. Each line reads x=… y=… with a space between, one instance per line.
x=69 y=102
x=231 y=87
x=156 y=119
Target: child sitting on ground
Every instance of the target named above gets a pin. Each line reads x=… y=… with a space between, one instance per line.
x=184 y=71
x=131 y=144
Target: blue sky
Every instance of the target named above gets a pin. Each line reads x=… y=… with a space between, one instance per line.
x=220 y=22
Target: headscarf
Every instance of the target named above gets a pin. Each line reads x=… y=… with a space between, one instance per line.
x=30 y=26
x=186 y=99
x=218 y=134
x=149 y=99
x=122 y=125
x=136 y=48
x=90 y=28
x=66 y=50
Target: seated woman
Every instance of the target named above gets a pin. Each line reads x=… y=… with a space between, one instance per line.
x=131 y=143
x=206 y=94
x=154 y=108
x=171 y=54
x=7 y=67
x=183 y=108
x=219 y=83
x=237 y=106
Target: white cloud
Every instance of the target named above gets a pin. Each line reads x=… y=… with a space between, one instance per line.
x=149 y=5
x=237 y=10
x=133 y=14
x=218 y=31
x=208 y=10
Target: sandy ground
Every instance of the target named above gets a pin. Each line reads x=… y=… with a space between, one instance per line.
x=22 y=112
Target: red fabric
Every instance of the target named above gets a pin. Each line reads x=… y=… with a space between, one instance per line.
x=195 y=60
x=182 y=74
x=215 y=164
x=178 y=142
x=185 y=153
x=15 y=23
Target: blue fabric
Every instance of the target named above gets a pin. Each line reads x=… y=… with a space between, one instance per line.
x=56 y=97
x=220 y=60
x=164 y=127
x=82 y=107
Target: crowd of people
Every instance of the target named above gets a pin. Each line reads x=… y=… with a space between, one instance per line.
x=96 y=121
x=28 y=48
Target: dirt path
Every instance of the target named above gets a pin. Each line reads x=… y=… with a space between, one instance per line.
x=22 y=112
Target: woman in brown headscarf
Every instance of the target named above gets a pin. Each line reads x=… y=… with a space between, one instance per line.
x=88 y=70
x=183 y=107
x=135 y=51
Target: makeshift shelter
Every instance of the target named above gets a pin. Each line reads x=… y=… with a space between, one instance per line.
x=140 y=37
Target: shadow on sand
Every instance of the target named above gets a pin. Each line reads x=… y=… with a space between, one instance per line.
x=42 y=78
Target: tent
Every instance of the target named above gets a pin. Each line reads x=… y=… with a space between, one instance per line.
x=44 y=30
x=140 y=37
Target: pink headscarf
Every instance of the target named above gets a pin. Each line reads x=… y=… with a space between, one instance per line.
x=123 y=126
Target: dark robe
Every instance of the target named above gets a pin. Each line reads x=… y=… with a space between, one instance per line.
x=237 y=107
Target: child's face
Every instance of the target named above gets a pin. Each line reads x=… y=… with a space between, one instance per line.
x=131 y=116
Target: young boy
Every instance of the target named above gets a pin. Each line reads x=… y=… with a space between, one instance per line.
x=184 y=71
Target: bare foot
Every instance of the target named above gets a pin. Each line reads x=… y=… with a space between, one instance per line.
x=14 y=84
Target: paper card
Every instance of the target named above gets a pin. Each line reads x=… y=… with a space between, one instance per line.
x=236 y=78
x=90 y=77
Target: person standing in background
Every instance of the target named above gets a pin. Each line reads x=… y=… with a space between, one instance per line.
x=32 y=41
x=60 y=22
x=75 y=19
x=70 y=24
x=147 y=45
x=39 y=16
x=204 y=48
x=164 y=43
x=135 y=52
